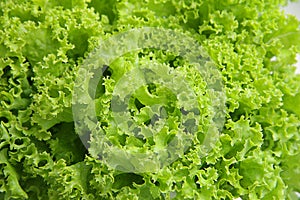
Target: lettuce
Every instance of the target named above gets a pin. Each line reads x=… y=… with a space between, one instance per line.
x=45 y=43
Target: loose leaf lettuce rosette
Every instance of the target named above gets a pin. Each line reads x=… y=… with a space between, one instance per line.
x=151 y=123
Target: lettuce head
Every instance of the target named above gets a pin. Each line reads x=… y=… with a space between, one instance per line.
x=228 y=131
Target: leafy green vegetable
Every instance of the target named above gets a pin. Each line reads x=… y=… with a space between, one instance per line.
x=43 y=44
